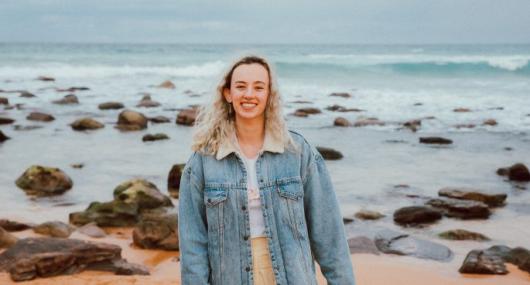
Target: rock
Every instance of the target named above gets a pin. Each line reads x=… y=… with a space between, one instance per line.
x=3 y=137
x=77 y=165
x=157 y=231
x=45 y=78
x=142 y=193
x=72 y=89
x=461 y=110
x=338 y=108
x=84 y=124
x=12 y=226
x=329 y=153
x=155 y=137
x=462 y=209
x=131 y=121
x=492 y=200
x=368 y=215
x=490 y=122
x=464 y=126
x=460 y=234
x=111 y=106
x=6 y=239
x=26 y=128
x=187 y=117
x=37 y=116
x=362 y=244
x=418 y=104
x=6 y=121
x=30 y=258
x=173 y=180
x=347 y=220
x=26 y=94
x=392 y=242
x=54 y=229
x=341 y=94
x=516 y=172
x=92 y=230
x=167 y=84
x=413 y=125
x=301 y=102
x=483 y=262
x=304 y=112
x=341 y=122
x=4 y=101
x=368 y=122
x=159 y=119
x=435 y=140
x=120 y=267
x=43 y=181
x=146 y=102
x=416 y=215
x=67 y=100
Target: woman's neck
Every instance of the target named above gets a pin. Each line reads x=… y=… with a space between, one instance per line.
x=250 y=135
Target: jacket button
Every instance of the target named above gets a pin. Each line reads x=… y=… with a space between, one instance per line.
x=244 y=208
x=245 y=237
x=209 y=200
x=247 y=269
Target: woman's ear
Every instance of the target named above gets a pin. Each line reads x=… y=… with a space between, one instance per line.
x=228 y=96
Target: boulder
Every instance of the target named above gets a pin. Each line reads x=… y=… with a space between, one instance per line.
x=72 y=89
x=392 y=242
x=517 y=172
x=368 y=122
x=435 y=140
x=166 y=84
x=460 y=234
x=92 y=230
x=44 y=181
x=340 y=94
x=462 y=209
x=187 y=117
x=6 y=121
x=26 y=94
x=159 y=119
x=30 y=258
x=4 y=101
x=368 y=215
x=483 y=262
x=173 y=180
x=38 y=116
x=461 y=110
x=492 y=200
x=416 y=215
x=3 y=137
x=157 y=230
x=362 y=244
x=147 y=102
x=111 y=106
x=155 y=137
x=67 y=100
x=13 y=226
x=342 y=122
x=490 y=122
x=142 y=193
x=54 y=229
x=304 y=112
x=131 y=121
x=84 y=124
x=6 y=239
x=329 y=153
x=45 y=78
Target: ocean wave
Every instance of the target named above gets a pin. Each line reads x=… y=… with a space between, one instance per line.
x=64 y=70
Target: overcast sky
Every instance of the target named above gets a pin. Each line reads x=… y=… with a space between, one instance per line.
x=287 y=21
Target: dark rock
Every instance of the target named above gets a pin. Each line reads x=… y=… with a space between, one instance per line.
x=142 y=193
x=413 y=125
x=30 y=258
x=92 y=230
x=131 y=121
x=72 y=89
x=173 y=180
x=462 y=209
x=3 y=137
x=187 y=117
x=368 y=122
x=301 y=102
x=460 y=234
x=84 y=124
x=435 y=140
x=461 y=110
x=43 y=181
x=339 y=108
x=341 y=122
x=347 y=220
x=490 y=122
x=483 y=262
x=329 y=153
x=13 y=226
x=341 y=94
x=159 y=119
x=111 y=106
x=362 y=244
x=119 y=267
x=6 y=121
x=26 y=94
x=516 y=172
x=167 y=84
x=77 y=165
x=6 y=239
x=26 y=128
x=368 y=215
x=45 y=78
x=37 y=116
x=416 y=215
x=392 y=242
x=157 y=231
x=146 y=102
x=4 y=101
x=304 y=112
x=67 y=100
x=155 y=137
x=492 y=200
x=464 y=126
x=54 y=229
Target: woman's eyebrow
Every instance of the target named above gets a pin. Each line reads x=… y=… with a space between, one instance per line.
x=243 y=82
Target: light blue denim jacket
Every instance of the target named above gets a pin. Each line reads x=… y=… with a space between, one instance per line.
x=303 y=222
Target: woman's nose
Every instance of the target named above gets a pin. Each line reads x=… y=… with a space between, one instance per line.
x=248 y=92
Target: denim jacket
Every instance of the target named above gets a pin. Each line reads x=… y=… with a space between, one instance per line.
x=303 y=222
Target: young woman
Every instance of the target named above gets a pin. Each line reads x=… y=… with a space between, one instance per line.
x=256 y=201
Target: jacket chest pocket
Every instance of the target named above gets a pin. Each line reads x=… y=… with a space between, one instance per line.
x=215 y=200
x=291 y=200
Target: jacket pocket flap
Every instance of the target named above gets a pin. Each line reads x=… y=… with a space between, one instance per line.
x=213 y=197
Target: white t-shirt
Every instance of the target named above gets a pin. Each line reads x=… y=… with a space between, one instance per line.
x=257 y=224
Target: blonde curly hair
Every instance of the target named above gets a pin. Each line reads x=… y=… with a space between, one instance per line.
x=215 y=122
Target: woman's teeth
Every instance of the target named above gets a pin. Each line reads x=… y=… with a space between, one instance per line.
x=248 y=105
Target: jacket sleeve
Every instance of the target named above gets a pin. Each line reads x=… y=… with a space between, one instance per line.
x=193 y=228
x=324 y=221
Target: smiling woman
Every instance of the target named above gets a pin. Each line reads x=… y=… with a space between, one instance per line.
x=256 y=201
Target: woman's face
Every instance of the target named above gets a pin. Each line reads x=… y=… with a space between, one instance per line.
x=249 y=91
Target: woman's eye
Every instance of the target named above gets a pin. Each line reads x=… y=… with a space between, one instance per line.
x=240 y=87
x=259 y=88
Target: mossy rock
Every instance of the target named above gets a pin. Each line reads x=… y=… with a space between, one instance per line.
x=44 y=181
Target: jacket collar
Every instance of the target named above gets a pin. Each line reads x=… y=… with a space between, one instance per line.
x=271 y=143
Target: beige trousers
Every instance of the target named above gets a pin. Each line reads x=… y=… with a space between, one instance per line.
x=261 y=261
